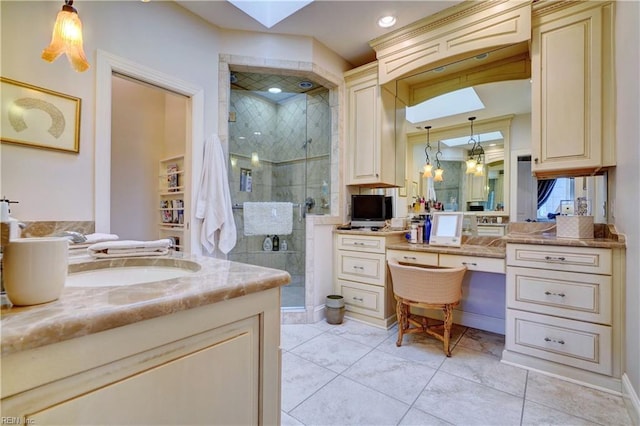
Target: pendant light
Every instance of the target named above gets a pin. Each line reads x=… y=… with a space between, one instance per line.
x=479 y=169
x=438 y=177
x=472 y=162
x=67 y=38
x=428 y=167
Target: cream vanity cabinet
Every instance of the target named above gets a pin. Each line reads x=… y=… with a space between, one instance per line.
x=362 y=277
x=560 y=311
x=371 y=113
x=216 y=364
x=572 y=91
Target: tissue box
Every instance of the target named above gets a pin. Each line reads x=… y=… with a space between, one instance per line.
x=574 y=226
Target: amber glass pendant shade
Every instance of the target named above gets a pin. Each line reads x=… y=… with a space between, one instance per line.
x=67 y=38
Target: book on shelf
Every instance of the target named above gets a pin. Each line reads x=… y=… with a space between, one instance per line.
x=172 y=177
x=172 y=211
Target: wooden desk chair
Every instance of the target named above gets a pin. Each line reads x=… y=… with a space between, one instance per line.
x=426 y=287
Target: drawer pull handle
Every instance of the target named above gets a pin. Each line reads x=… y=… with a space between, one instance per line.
x=470 y=263
x=550 y=293
x=358 y=299
x=548 y=339
x=554 y=258
x=409 y=257
x=358 y=267
x=358 y=244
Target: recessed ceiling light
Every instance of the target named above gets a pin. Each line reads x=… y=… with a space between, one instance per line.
x=387 y=21
x=439 y=69
x=275 y=90
x=482 y=56
x=305 y=85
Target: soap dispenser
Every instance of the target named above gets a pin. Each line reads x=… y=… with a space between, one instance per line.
x=267 y=244
x=5 y=217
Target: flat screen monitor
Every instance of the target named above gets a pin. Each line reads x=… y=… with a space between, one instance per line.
x=446 y=229
x=370 y=211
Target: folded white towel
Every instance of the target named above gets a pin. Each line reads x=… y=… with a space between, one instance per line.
x=266 y=218
x=92 y=239
x=97 y=237
x=129 y=248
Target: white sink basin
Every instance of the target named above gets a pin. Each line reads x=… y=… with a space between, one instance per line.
x=125 y=275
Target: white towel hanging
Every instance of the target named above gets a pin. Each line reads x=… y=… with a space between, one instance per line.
x=213 y=205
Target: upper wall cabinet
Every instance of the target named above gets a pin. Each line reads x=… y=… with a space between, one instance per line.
x=371 y=138
x=455 y=33
x=572 y=98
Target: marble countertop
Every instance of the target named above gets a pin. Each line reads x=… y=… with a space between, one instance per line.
x=85 y=310
x=605 y=236
x=552 y=240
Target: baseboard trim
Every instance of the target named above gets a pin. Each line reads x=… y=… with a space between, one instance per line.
x=564 y=372
x=631 y=400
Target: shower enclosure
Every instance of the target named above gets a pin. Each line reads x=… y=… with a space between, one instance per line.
x=279 y=150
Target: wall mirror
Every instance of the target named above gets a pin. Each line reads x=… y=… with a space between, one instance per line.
x=494 y=87
x=500 y=80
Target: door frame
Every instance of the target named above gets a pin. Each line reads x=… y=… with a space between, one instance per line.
x=106 y=64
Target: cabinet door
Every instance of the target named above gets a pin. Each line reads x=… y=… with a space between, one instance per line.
x=566 y=68
x=214 y=385
x=476 y=188
x=364 y=133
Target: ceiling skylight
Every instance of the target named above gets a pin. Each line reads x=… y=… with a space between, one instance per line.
x=483 y=137
x=453 y=103
x=268 y=12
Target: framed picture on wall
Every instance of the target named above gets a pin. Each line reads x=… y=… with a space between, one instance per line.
x=37 y=117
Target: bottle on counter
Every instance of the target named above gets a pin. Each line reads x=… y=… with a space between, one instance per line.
x=427 y=229
x=420 y=233
x=267 y=244
x=414 y=233
x=276 y=243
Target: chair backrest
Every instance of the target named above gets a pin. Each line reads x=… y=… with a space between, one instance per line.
x=426 y=284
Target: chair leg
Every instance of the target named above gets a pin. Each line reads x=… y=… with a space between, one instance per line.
x=401 y=320
x=448 y=321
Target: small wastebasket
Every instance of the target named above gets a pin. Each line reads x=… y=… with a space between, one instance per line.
x=334 y=309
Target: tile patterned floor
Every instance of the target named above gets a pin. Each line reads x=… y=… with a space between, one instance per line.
x=353 y=374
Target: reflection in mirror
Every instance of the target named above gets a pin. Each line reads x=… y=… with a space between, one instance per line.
x=495 y=88
x=541 y=200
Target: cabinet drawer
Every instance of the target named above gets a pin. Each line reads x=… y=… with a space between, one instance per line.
x=473 y=263
x=574 y=343
x=362 y=298
x=585 y=297
x=418 y=257
x=364 y=267
x=361 y=243
x=572 y=259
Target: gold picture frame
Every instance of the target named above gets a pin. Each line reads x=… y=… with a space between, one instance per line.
x=38 y=117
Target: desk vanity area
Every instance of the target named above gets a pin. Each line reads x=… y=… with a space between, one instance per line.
x=554 y=299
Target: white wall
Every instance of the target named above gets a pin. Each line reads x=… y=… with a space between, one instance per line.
x=158 y=35
x=626 y=210
x=137 y=144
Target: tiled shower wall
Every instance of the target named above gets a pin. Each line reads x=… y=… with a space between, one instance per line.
x=279 y=134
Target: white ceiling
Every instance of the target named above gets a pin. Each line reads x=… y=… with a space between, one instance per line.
x=346 y=27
